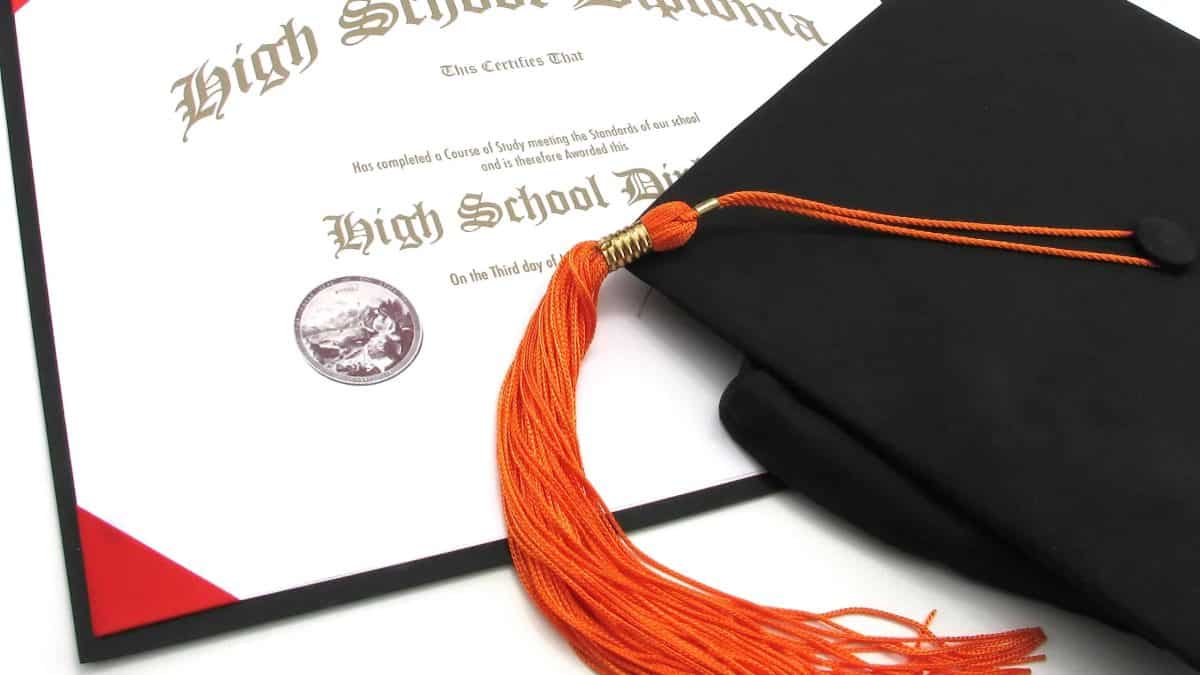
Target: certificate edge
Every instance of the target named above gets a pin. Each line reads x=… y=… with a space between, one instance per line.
x=304 y=600
x=37 y=294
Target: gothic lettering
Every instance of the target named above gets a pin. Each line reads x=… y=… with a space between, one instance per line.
x=205 y=91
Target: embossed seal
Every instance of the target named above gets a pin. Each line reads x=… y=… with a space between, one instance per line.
x=357 y=330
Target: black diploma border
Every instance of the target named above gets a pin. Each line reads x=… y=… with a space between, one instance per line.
x=265 y=608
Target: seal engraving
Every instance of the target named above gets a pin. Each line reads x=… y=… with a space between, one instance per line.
x=357 y=330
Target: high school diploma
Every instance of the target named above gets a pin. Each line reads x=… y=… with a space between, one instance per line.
x=291 y=246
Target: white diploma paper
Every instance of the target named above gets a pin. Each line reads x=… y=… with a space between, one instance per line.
x=176 y=268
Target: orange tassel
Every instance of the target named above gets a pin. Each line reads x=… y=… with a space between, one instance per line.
x=622 y=611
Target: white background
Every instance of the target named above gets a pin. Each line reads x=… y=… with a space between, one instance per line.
x=779 y=549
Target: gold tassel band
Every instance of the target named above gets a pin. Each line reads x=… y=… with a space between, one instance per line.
x=707 y=205
x=624 y=246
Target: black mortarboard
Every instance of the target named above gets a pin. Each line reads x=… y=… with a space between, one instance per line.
x=1026 y=419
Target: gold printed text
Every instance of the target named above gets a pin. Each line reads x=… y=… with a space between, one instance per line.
x=402 y=231
x=204 y=92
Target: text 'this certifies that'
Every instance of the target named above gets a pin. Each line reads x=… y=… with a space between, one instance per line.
x=509 y=65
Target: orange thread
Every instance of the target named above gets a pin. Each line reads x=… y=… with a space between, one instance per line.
x=670 y=225
x=622 y=611
x=905 y=226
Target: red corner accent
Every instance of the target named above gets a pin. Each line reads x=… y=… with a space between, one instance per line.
x=18 y=4
x=130 y=584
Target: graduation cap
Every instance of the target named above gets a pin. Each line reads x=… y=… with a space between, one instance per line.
x=957 y=252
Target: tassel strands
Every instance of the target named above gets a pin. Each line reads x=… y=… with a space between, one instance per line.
x=622 y=611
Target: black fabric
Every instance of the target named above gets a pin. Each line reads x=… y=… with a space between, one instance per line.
x=1028 y=420
x=1165 y=242
x=841 y=472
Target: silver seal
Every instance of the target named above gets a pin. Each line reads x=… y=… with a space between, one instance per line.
x=357 y=330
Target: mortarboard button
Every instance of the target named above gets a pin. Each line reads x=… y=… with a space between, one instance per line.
x=1165 y=242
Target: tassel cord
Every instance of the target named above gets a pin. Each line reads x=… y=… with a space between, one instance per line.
x=622 y=611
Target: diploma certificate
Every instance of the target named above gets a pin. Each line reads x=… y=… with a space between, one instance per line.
x=290 y=248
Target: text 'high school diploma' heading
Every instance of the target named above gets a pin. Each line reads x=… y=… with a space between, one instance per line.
x=205 y=91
